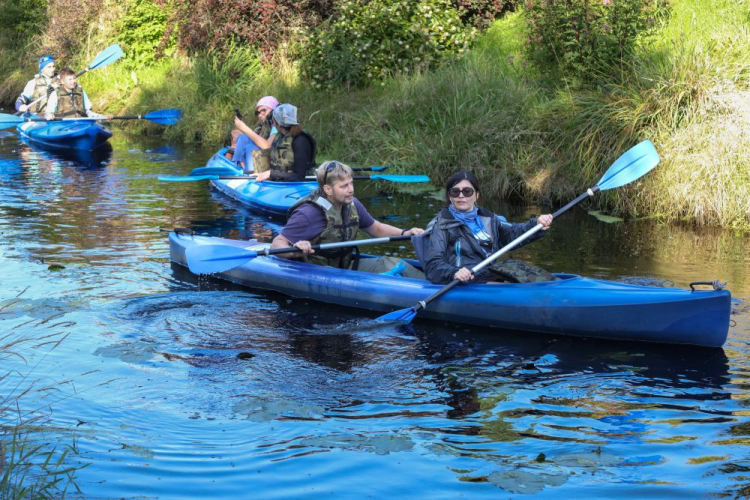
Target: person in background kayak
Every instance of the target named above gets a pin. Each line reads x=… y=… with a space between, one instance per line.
x=69 y=100
x=262 y=135
x=39 y=87
x=293 y=150
x=463 y=235
x=332 y=214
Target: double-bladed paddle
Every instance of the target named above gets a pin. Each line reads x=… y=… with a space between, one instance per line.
x=632 y=165
x=163 y=117
x=102 y=59
x=375 y=177
x=207 y=259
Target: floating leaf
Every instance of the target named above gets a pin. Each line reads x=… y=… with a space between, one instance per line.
x=605 y=218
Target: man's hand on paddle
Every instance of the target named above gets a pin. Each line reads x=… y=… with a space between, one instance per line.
x=304 y=246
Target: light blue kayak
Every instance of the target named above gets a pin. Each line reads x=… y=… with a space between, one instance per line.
x=571 y=305
x=268 y=197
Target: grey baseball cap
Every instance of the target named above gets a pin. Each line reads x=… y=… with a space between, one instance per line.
x=285 y=115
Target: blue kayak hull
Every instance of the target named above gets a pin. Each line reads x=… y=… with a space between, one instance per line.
x=218 y=164
x=572 y=305
x=268 y=198
x=83 y=135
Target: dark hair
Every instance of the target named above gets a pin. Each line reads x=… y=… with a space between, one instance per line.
x=66 y=71
x=458 y=177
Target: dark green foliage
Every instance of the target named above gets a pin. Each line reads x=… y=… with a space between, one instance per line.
x=142 y=31
x=368 y=41
x=588 y=39
x=481 y=13
x=21 y=19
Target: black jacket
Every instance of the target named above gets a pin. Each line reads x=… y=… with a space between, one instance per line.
x=451 y=245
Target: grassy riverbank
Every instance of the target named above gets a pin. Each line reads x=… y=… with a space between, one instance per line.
x=528 y=136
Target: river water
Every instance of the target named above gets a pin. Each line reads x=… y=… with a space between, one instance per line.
x=173 y=387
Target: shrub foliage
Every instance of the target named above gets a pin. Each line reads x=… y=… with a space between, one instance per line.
x=367 y=41
x=142 y=32
x=584 y=39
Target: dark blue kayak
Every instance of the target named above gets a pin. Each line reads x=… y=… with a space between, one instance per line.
x=572 y=305
x=82 y=135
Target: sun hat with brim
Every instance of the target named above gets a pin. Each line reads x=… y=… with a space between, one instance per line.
x=44 y=61
x=268 y=101
x=285 y=115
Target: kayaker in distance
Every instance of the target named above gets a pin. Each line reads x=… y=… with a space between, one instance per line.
x=293 y=150
x=332 y=214
x=39 y=87
x=262 y=136
x=463 y=235
x=69 y=100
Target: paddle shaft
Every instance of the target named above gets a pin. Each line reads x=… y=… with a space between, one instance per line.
x=423 y=303
x=247 y=177
x=341 y=244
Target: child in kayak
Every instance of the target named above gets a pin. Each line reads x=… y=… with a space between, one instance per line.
x=35 y=93
x=69 y=100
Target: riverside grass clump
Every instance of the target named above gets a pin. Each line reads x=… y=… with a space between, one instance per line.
x=30 y=467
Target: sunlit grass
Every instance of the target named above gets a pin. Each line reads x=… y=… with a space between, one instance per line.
x=528 y=137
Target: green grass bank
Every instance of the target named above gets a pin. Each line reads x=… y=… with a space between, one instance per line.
x=527 y=134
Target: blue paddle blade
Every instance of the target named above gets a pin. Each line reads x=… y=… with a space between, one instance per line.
x=633 y=164
x=402 y=316
x=208 y=259
x=7 y=121
x=164 y=116
x=188 y=178
x=400 y=178
x=106 y=57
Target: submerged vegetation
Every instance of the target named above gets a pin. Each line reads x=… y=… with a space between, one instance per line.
x=534 y=124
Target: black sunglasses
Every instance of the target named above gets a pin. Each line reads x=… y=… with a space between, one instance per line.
x=258 y=112
x=456 y=192
x=329 y=168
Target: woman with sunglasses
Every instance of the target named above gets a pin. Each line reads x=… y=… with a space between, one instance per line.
x=463 y=234
x=262 y=135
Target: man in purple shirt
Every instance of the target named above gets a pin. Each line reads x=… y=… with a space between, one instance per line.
x=332 y=214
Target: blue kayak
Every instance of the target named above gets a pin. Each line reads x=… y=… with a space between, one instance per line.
x=82 y=135
x=218 y=164
x=267 y=197
x=572 y=305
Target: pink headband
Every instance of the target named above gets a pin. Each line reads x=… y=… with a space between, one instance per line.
x=268 y=101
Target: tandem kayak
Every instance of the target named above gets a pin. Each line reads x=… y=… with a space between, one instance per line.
x=572 y=305
x=82 y=135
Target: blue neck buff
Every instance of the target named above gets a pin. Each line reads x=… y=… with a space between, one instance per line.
x=471 y=220
x=465 y=217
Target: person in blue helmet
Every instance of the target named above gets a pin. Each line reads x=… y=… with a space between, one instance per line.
x=36 y=92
